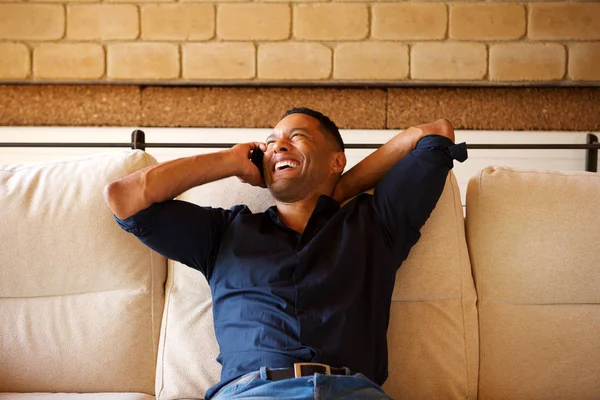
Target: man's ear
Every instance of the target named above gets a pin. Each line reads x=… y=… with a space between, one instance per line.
x=339 y=162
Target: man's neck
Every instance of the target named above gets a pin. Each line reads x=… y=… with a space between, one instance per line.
x=296 y=215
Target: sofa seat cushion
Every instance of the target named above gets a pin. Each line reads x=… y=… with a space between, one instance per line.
x=76 y=396
x=80 y=299
x=432 y=337
x=533 y=239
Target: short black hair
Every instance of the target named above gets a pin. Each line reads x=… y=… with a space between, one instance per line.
x=328 y=125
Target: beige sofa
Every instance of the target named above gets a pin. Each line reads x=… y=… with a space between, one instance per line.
x=508 y=310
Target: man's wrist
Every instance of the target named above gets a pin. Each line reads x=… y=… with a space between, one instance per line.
x=232 y=163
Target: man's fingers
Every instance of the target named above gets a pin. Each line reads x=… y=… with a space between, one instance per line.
x=251 y=146
x=258 y=145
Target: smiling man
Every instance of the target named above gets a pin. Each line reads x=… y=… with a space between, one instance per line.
x=302 y=291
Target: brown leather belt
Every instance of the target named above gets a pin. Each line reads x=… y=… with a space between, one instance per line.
x=303 y=369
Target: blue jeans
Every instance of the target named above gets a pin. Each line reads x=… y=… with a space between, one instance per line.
x=256 y=386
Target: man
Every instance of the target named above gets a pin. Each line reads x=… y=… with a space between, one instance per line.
x=306 y=281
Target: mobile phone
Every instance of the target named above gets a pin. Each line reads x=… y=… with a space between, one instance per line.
x=257 y=159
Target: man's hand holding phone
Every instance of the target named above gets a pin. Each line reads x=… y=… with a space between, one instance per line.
x=250 y=156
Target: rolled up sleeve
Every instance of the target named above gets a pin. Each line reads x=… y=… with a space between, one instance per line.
x=409 y=191
x=181 y=231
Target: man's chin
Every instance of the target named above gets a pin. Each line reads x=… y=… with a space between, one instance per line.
x=286 y=192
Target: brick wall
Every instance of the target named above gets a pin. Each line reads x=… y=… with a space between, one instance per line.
x=229 y=41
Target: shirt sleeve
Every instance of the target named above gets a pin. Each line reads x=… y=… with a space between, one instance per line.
x=182 y=231
x=407 y=194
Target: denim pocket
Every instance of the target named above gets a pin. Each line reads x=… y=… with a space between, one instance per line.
x=237 y=386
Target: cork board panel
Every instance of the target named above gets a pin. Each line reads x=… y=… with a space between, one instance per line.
x=569 y=109
x=260 y=107
x=69 y=105
x=554 y=109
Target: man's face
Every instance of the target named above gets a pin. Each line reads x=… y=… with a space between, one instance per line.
x=300 y=160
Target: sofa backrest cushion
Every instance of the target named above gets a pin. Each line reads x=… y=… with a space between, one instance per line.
x=533 y=240
x=432 y=337
x=80 y=300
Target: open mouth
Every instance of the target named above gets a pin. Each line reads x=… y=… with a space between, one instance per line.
x=286 y=164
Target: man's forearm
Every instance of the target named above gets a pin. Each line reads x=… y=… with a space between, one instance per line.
x=370 y=170
x=166 y=181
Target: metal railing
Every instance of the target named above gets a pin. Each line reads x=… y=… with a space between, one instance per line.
x=138 y=141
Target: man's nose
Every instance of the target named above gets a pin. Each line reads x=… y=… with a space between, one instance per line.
x=281 y=145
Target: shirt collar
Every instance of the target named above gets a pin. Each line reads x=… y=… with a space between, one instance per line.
x=326 y=205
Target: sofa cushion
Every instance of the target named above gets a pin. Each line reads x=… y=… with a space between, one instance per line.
x=533 y=240
x=76 y=396
x=188 y=349
x=80 y=300
x=432 y=337
x=433 y=327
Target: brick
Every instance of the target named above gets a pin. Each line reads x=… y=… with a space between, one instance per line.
x=253 y=21
x=584 y=62
x=363 y=1
x=178 y=21
x=140 y=1
x=294 y=1
x=102 y=21
x=68 y=61
x=136 y=61
x=527 y=62
x=487 y=21
x=560 y=21
x=32 y=21
x=409 y=21
x=371 y=61
x=448 y=61
x=219 y=61
x=14 y=63
x=331 y=21
x=294 y=61
x=69 y=2
x=220 y=1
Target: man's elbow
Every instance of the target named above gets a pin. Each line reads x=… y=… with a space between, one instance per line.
x=441 y=127
x=114 y=199
x=445 y=128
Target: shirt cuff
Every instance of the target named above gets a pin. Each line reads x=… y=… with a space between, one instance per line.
x=139 y=224
x=452 y=151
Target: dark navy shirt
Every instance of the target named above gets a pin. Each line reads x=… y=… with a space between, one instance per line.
x=281 y=297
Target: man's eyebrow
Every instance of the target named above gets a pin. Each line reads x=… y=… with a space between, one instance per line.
x=298 y=128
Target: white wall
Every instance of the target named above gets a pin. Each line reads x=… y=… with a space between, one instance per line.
x=565 y=160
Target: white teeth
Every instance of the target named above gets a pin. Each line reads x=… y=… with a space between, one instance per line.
x=286 y=163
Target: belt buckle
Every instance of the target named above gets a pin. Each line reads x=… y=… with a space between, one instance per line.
x=298 y=368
